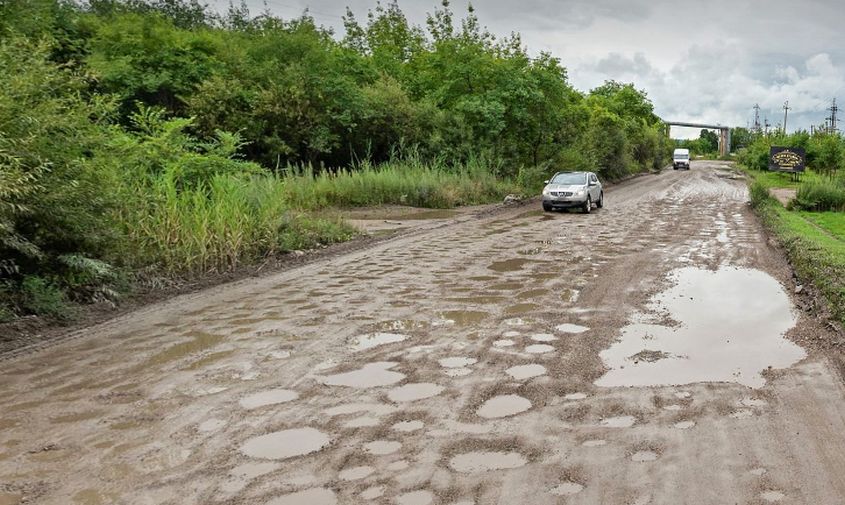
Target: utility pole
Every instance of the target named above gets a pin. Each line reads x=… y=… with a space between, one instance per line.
x=756 y=118
x=832 y=119
x=786 y=108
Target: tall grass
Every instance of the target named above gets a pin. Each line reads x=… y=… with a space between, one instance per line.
x=820 y=196
x=406 y=181
x=231 y=220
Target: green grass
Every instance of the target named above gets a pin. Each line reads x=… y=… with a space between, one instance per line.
x=783 y=180
x=813 y=242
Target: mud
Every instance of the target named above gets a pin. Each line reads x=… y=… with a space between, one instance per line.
x=359 y=377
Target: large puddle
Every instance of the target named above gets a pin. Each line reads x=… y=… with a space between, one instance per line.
x=730 y=327
x=503 y=406
x=370 y=376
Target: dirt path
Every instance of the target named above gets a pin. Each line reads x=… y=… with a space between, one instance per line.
x=487 y=361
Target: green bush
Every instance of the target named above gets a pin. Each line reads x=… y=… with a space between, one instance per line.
x=42 y=297
x=820 y=196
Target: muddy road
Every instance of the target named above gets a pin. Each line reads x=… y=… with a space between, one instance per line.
x=643 y=354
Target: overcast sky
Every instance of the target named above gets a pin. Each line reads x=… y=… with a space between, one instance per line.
x=698 y=61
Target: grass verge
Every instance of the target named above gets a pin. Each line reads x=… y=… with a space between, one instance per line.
x=814 y=242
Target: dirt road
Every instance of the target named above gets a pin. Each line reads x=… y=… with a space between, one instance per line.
x=488 y=360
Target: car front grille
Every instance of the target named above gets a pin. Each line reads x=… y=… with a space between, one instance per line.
x=561 y=193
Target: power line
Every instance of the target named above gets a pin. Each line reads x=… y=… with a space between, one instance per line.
x=786 y=108
x=832 y=120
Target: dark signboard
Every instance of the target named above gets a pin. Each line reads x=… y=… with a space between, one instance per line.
x=786 y=159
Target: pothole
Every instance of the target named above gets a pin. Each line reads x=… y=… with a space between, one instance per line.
x=575 y=396
x=484 y=461
x=420 y=497
x=566 y=489
x=313 y=496
x=644 y=456
x=684 y=425
x=618 y=422
x=539 y=349
x=771 y=495
x=464 y=317
x=522 y=372
x=571 y=328
x=503 y=406
x=356 y=473
x=457 y=362
x=382 y=447
x=286 y=443
x=730 y=327
x=373 y=492
x=413 y=392
x=408 y=426
x=457 y=372
x=543 y=337
x=270 y=397
x=505 y=342
x=364 y=342
x=370 y=376
x=594 y=443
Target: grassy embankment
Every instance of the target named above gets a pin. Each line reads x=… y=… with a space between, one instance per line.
x=814 y=241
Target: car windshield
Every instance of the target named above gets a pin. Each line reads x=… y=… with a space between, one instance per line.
x=680 y=156
x=570 y=178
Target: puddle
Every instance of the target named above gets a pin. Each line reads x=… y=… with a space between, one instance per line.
x=684 y=425
x=270 y=397
x=457 y=362
x=771 y=495
x=644 y=456
x=417 y=216
x=370 y=376
x=672 y=408
x=464 y=317
x=398 y=466
x=758 y=471
x=286 y=443
x=575 y=396
x=507 y=286
x=313 y=496
x=200 y=342
x=571 y=328
x=485 y=461
x=356 y=473
x=511 y=265
x=382 y=447
x=505 y=342
x=376 y=409
x=566 y=489
x=371 y=493
x=242 y=474
x=408 y=426
x=413 y=392
x=731 y=326
x=539 y=349
x=362 y=422
x=503 y=406
x=521 y=308
x=618 y=422
x=421 y=497
x=458 y=372
x=364 y=342
x=522 y=372
x=532 y=294
x=594 y=443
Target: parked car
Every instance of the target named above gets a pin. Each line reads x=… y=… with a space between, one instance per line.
x=573 y=189
x=680 y=159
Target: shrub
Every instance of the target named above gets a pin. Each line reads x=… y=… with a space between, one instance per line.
x=820 y=196
x=45 y=298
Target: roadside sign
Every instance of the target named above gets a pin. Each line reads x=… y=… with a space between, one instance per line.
x=786 y=159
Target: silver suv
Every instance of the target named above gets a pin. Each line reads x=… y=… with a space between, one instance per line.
x=573 y=189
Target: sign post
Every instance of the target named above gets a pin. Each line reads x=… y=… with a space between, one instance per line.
x=787 y=159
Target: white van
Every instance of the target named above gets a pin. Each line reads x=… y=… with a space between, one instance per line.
x=680 y=159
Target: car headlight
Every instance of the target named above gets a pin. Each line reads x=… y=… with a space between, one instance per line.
x=546 y=191
x=580 y=192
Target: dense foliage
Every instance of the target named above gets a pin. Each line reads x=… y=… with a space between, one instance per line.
x=160 y=138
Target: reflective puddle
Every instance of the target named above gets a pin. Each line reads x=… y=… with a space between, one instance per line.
x=730 y=328
x=511 y=265
x=286 y=443
x=464 y=317
x=365 y=342
x=503 y=406
x=457 y=362
x=414 y=392
x=370 y=376
x=484 y=461
x=356 y=473
x=522 y=372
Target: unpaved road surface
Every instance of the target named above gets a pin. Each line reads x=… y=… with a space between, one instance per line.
x=621 y=357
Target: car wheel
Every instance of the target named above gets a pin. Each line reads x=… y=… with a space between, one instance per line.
x=547 y=207
x=588 y=205
x=600 y=203
x=674 y=168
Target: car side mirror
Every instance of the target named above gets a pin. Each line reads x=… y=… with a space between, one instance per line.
x=546 y=181
x=593 y=183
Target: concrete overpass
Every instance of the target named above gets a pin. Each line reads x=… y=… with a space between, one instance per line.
x=724 y=133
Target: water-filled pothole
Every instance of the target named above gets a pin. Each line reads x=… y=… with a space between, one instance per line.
x=457 y=362
x=286 y=443
x=414 y=392
x=313 y=496
x=619 y=422
x=369 y=376
x=731 y=327
x=419 y=497
x=503 y=406
x=484 y=461
x=522 y=372
x=364 y=342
